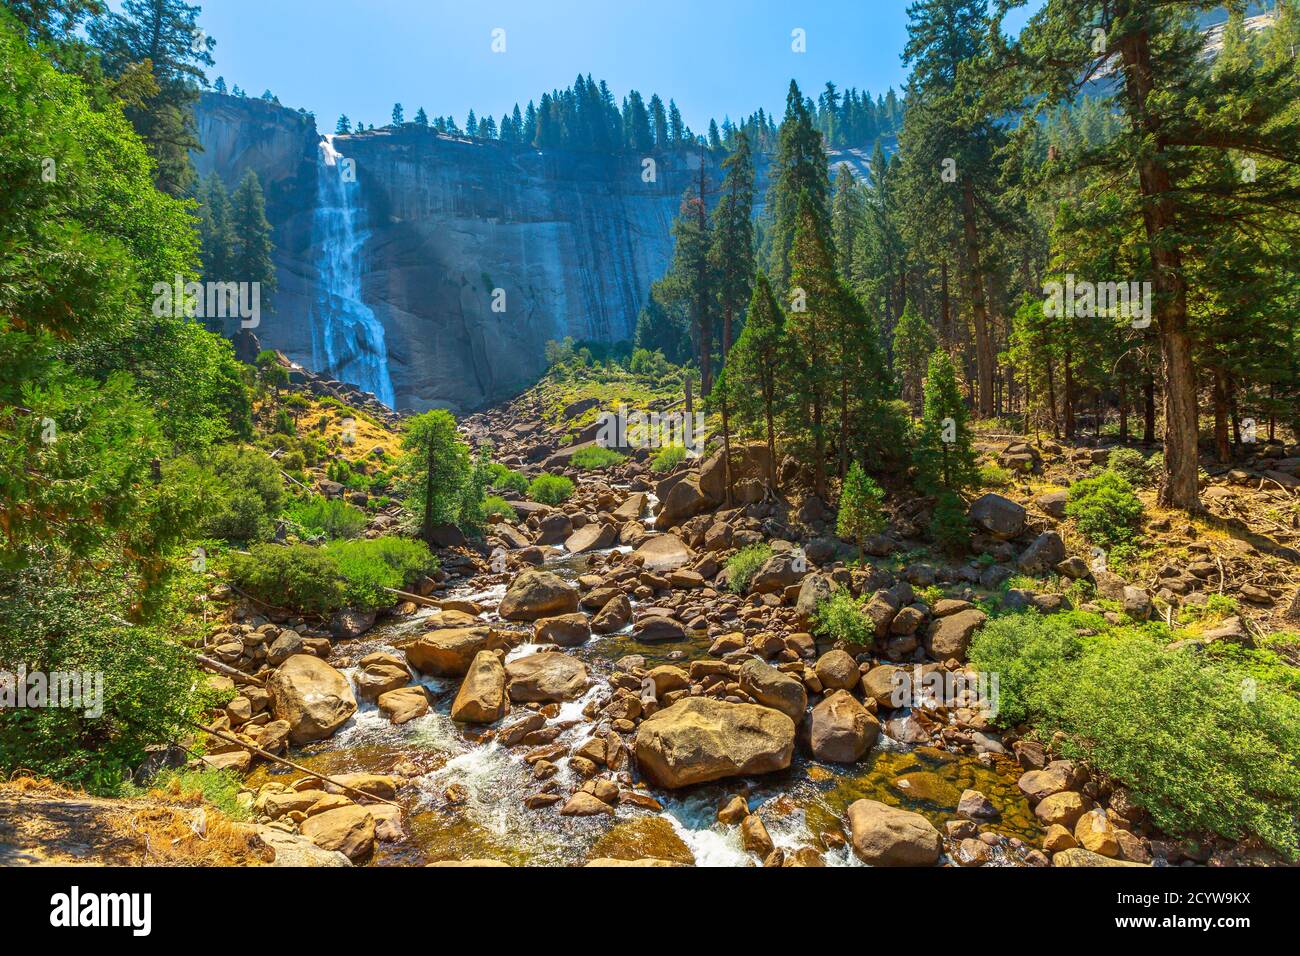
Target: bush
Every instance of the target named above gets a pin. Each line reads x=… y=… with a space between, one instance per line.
x=298 y=577
x=217 y=787
x=370 y=566
x=1202 y=744
x=250 y=493
x=995 y=476
x=949 y=526
x=1130 y=465
x=1105 y=509
x=842 y=619
x=668 y=458
x=861 y=511
x=744 y=564
x=550 y=489
x=594 y=456
x=496 y=505
x=506 y=479
x=328 y=517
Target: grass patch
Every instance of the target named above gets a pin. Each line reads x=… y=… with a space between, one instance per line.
x=744 y=564
x=327 y=517
x=593 y=457
x=842 y=619
x=667 y=459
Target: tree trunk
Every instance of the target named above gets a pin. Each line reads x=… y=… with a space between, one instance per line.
x=1160 y=218
x=1222 y=450
x=1149 y=409
x=1069 y=397
x=428 y=497
x=984 y=358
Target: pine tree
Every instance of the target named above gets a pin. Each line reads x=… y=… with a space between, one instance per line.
x=914 y=343
x=757 y=366
x=801 y=177
x=251 y=259
x=216 y=231
x=861 y=511
x=343 y=126
x=945 y=457
x=421 y=117
x=399 y=117
x=732 y=252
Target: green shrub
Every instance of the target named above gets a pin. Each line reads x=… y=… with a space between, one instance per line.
x=550 y=489
x=506 y=479
x=995 y=476
x=370 y=566
x=496 y=505
x=593 y=457
x=1201 y=742
x=949 y=526
x=842 y=619
x=744 y=564
x=329 y=517
x=668 y=458
x=861 y=511
x=217 y=787
x=250 y=493
x=298 y=577
x=1105 y=509
x=1130 y=465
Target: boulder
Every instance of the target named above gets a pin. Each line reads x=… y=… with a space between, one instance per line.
x=658 y=629
x=482 y=695
x=614 y=616
x=1052 y=503
x=593 y=536
x=773 y=688
x=837 y=670
x=749 y=462
x=663 y=553
x=546 y=676
x=948 y=637
x=566 y=630
x=778 y=573
x=882 y=835
x=349 y=829
x=554 y=528
x=314 y=698
x=842 y=730
x=999 y=516
x=1047 y=551
x=816 y=588
x=1078 y=856
x=701 y=739
x=684 y=501
x=534 y=594
x=447 y=652
x=404 y=704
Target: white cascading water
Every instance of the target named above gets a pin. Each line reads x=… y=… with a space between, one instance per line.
x=347 y=339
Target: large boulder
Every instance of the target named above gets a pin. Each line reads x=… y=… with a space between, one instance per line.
x=684 y=501
x=701 y=739
x=348 y=829
x=749 y=463
x=842 y=730
x=663 y=553
x=482 y=695
x=567 y=630
x=887 y=836
x=546 y=676
x=447 y=652
x=1047 y=551
x=774 y=688
x=778 y=573
x=314 y=698
x=404 y=704
x=535 y=594
x=999 y=516
x=948 y=637
x=593 y=536
x=815 y=590
x=614 y=616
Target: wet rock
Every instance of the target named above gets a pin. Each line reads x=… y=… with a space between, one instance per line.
x=350 y=830
x=842 y=730
x=614 y=616
x=404 y=704
x=535 y=594
x=583 y=804
x=658 y=629
x=595 y=536
x=566 y=630
x=1078 y=856
x=347 y=625
x=381 y=673
x=733 y=811
x=547 y=676
x=663 y=553
x=314 y=698
x=882 y=835
x=701 y=739
x=482 y=695
x=974 y=805
x=448 y=652
x=773 y=688
x=754 y=836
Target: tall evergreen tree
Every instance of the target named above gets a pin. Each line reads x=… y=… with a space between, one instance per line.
x=732 y=253
x=251 y=260
x=801 y=178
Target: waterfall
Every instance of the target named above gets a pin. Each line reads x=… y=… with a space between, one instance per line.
x=347 y=339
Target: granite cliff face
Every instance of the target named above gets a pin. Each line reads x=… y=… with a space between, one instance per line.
x=447 y=264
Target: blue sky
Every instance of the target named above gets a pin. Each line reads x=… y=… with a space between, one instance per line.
x=714 y=57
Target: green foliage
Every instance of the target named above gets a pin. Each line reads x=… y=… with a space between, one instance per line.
x=435 y=470
x=550 y=489
x=327 y=517
x=506 y=479
x=595 y=457
x=994 y=476
x=1133 y=467
x=220 y=788
x=496 y=505
x=248 y=496
x=949 y=526
x=945 y=459
x=861 y=512
x=1105 y=508
x=744 y=564
x=914 y=343
x=667 y=459
x=297 y=577
x=368 y=566
x=842 y=619
x=1200 y=742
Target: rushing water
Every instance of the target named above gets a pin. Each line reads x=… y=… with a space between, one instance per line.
x=347 y=339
